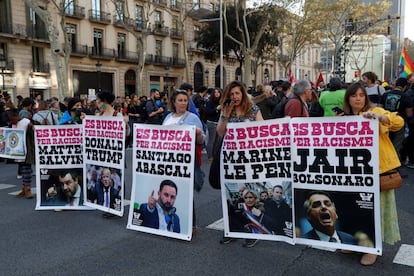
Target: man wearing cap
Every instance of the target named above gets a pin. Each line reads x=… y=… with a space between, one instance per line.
x=332 y=98
x=189 y=89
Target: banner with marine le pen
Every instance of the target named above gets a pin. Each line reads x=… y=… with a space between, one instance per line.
x=321 y=176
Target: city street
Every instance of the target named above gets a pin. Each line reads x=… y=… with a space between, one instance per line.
x=85 y=243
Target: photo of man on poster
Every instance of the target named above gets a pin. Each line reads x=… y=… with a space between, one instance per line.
x=322 y=215
x=160 y=213
x=68 y=190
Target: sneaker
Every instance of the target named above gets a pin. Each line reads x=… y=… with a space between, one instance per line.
x=248 y=243
x=226 y=240
x=19 y=176
x=409 y=165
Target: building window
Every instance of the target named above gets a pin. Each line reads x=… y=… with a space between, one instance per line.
x=36 y=27
x=158 y=48
x=96 y=5
x=176 y=50
x=119 y=5
x=71 y=32
x=139 y=17
x=69 y=7
x=196 y=4
x=38 y=60
x=158 y=18
x=121 y=45
x=97 y=42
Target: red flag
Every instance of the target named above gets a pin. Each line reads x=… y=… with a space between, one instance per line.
x=320 y=79
x=291 y=76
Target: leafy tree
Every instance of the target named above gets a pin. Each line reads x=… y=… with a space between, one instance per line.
x=246 y=31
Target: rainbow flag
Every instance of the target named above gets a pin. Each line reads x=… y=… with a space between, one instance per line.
x=406 y=66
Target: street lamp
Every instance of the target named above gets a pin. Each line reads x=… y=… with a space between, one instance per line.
x=98 y=70
x=3 y=67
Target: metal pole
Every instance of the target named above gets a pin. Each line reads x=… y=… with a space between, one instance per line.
x=221 y=45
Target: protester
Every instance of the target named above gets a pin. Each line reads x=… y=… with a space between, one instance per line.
x=160 y=213
x=25 y=166
x=334 y=98
x=73 y=114
x=357 y=103
x=398 y=101
x=212 y=116
x=199 y=100
x=240 y=109
x=297 y=105
x=265 y=99
x=180 y=115
x=188 y=88
x=374 y=90
x=155 y=113
x=43 y=115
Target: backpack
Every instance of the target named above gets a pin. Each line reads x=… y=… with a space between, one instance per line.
x=279 y=110
x=392 y=102
x=45 y=121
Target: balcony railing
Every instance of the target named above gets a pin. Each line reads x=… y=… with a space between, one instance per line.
x=79 y=50
x=75 y=11
x=176 y=33
x=102 y=53
x=127 y=56
x=6 y=27
x=99 y=17
x=178 y=62
x=41 y=67
x=9 y=65
x=120 y=22
x=160 y=30
x=160 y=2
x=158 y=60
x=139 y=25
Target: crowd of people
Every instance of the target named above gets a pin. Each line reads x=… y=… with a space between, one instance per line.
x=210 y=109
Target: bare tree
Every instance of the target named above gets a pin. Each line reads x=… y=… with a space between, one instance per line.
x=52 y=14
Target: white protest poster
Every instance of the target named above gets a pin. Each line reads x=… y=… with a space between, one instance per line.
x=12 y=143
x=335 y=183
x=104 y=163
x=59 y=167
x=163 y=174
x=256 y=159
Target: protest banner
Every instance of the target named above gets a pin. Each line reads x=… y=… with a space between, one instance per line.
x=255 y=158
x=12 y=143
x=163 y=175
x=104 y=163
x=335 y=183
x=59 y=167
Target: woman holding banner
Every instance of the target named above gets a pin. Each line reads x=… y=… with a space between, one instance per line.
x=356 y=102
x=179 y=105
x=236 y=108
